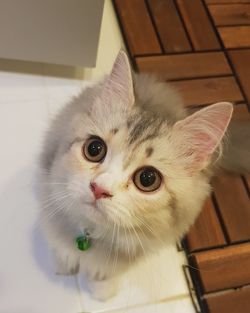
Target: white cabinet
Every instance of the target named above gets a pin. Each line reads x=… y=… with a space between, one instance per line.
x=51 y=31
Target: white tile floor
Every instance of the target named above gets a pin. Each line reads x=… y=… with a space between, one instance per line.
x=159 y=278
x=27 y=280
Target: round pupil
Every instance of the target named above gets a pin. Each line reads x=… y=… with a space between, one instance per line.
x=147 y=178
x=95 y=148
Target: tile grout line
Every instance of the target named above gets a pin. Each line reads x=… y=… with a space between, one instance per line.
x=141 y=305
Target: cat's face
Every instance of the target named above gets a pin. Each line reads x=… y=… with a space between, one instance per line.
x=123 y=166
x=131 y=170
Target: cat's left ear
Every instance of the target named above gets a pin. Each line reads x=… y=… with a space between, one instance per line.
x=119 y=84
x=201 y=133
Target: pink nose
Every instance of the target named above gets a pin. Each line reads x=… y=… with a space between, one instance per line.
x=99 y=192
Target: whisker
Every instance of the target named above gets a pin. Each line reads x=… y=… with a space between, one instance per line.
x=127 y=244
x=111 y=246
x=54 y=200
x=138 y=238
x=125 y=214
x=148 y=228
x=117 y=249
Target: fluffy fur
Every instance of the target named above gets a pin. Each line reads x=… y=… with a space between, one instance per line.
x=143 y=122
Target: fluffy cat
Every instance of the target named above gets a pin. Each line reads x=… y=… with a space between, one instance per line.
x=125 y=163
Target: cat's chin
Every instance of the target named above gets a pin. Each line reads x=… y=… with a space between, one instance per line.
x=95 y=213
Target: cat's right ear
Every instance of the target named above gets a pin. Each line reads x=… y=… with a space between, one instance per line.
x=119 y=85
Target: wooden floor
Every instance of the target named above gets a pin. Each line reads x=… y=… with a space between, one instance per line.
x=203 y=48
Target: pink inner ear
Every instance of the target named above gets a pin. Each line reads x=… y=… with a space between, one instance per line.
x=204 y=130
x=119 y=83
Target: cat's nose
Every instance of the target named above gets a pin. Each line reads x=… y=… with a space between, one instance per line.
x=99 y=192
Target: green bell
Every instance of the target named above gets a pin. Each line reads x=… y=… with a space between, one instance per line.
x=83 y=242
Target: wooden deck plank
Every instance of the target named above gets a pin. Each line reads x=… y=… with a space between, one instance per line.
x=223 y=268
x=169 y=25
x=234 y=301
x=207 y=231
x=241 y=113
x=209 y=90
x=235 y=36
x=231 y=14
x=138 y=28
x=192 y=65
x=234 y=206
x=226 y=1
x=241 y=63
x=198 y=25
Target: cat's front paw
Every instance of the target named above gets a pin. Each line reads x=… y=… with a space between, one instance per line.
x=103 y=290
x=64 y=269
x=66 y=266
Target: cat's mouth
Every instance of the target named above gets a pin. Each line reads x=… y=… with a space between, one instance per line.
x=96 y=211
x=99 y=205
x=95 y=204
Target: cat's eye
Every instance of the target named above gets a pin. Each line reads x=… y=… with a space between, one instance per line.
x=147 y=179
x=94 y=149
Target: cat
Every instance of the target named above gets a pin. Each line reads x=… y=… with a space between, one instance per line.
x=126 y=168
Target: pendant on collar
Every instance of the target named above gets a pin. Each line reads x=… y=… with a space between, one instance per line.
x=83 y=242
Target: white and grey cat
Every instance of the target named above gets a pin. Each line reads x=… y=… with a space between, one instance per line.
x=125 y=163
